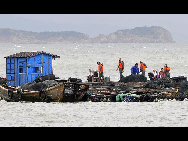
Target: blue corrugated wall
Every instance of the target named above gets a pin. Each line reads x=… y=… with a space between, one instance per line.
x=22 y=70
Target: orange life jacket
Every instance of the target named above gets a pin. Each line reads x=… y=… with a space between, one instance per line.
x=99 y=69
x=102 y=67
x=120 y=65
x=143 y=66
x=167 y=69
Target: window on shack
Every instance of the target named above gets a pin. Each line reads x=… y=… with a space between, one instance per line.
x=34 y=69
x=20 y=70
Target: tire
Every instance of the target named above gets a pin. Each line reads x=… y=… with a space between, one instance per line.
x=44 y=93
x=10 y=94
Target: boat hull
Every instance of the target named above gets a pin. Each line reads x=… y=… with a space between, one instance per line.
x=52 y=94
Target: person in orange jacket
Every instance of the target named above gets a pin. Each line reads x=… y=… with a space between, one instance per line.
x=120 y=67
x=100 y=70
x=143 y=68
x=167 y=71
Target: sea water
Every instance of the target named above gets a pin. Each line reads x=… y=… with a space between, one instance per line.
x=75 y=61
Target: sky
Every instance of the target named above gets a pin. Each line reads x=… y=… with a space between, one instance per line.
x=95 y=24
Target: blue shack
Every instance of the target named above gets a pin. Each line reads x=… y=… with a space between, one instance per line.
x=24 y=67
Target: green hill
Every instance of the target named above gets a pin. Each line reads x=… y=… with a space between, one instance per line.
x=20 y=36
x=154 y=34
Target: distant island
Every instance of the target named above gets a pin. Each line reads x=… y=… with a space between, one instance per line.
x=153 y=34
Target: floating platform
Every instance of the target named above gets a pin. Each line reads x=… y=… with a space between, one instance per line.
x=66 y=91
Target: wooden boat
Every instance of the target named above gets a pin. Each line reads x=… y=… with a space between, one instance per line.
x=51 y=94
x=62 y=92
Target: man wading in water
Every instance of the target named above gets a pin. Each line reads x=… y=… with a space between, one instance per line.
x=120 y=67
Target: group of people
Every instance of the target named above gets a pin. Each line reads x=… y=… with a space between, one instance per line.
x=164 y=73
x=134 y=69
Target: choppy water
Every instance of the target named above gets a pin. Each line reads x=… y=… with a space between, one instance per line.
x=75 y=61
x=93 y=114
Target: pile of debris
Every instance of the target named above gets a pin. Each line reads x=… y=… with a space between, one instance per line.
x=133 y=78
x=33 y=86
x=40 y=83
x=183 y=88
x=3 y=81
x=46 y=77
x=159 y=83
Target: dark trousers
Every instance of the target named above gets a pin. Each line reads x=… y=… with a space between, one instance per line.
x=101 y=75
x=143 y=72
x=167 y=75
x=121 y=71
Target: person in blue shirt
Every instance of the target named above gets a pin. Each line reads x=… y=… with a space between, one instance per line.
x=135 y=69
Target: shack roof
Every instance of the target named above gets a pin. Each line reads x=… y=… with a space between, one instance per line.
x=29 y=54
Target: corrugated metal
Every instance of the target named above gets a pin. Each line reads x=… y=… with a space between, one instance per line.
x=24 y=67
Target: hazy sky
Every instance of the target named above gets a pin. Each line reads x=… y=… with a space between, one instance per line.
x=94 y=24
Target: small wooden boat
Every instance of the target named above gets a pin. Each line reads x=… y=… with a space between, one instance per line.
x=51 y=94
x=62 y=92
